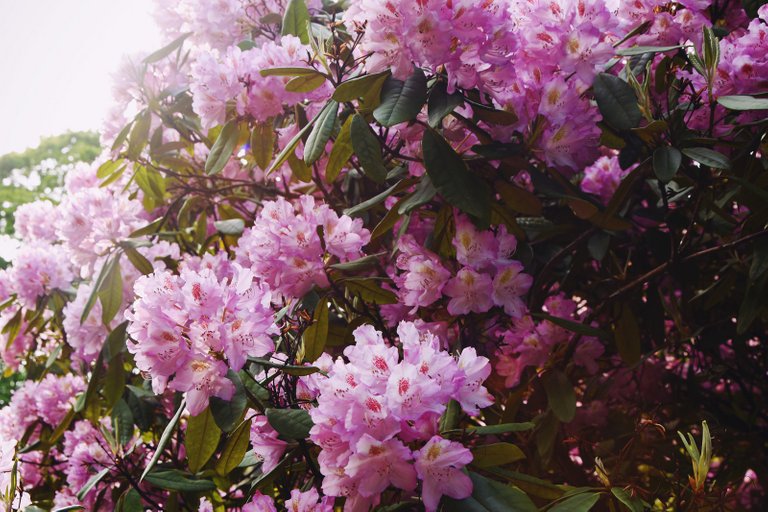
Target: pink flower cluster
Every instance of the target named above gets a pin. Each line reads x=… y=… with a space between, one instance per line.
x=86 y=453
x=191 y=328
x=603 y=177
x=284 y=249
x=374 y=403
x=529 y=343
x=37 y=269
x=488 y=276
x=234 y=76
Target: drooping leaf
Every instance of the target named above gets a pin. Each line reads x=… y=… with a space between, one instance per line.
x=305 y=83
x=666 y=162
x=633 y=503
x=122 y=422
x=370 y=291
x=167 y=49
x=202 y=438
x=111 y=292
x=316 y=334
x=289 y=148
x=368 y=149
x=228 y=413
x=223 y=148
x=423 y=194
x=560 y=394
x=341 y=151
x=296 y=20
x=401 y=100
x=708 y=157
x=321 y=132
x=641 y=50
x=616 y=101
x=91 y=483
x=452 y=178
x=263 y=144
x=290 y=423
x=234 y=449
x=441 y=104
x=359 y=86
x=164 y=438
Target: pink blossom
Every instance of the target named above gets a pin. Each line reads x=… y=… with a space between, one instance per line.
x=469 y=291
x=439 y=465
x=509 y=285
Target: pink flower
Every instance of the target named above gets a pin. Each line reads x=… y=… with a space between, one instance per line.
x=469 y=291
x=266 y=443
x=308 y=501
x=509 y=285
x=260 y=503
x=201 y=379
x=474 y=249
x=439 y=465
x=382 y=463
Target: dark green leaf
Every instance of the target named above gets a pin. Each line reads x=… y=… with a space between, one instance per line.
x=296 y=21
x=491 y=496
x=423 y=194
x=378 y=198
x=708 y=157
x=363 y=263
x=164 y=438
x=290 y=423
x=202 y=438
x=131 y=501
x=666 y=162
x=175 y=480
x=496 y=454
x=640 y=50
x=290 y=369
x=501 y=429
x=138 y=260
x=452 y=178
x=91 y=483
x=340 y=153
x=139 y=134
x=616 y=101
x=560 y=394
x=579 y=503
x=289 y=148
x=633 y=503
x=228 y=413
x=627 y=335
x=305 y=83
x=370 y=291
x=122 y=422
x=263 y=144
x=401 y=101
x=321 y=132
x=572 y=326
x=738 y=102
x=441 y=103
x=223 y=148
x=368 y=149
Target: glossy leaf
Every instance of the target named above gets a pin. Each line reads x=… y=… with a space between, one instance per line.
x=401 y=100
x=708 y=157
x=560 y=394
x=368 y=149
x=359 y=86
x=202 y=438
x=296 y=20
x=175 y=480
x=263 y=144
x=234 y=449
x=316 y=334
x=222 y=149
x=581 y=502
x=616 y=101
x=496 y=454
x=321 y=132
x=290 y=423
x=666 y=162
x=743 y=102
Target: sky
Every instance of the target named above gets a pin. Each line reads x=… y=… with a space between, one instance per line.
x=56 y=62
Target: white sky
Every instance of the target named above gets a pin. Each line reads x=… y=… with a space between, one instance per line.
x=56 y=61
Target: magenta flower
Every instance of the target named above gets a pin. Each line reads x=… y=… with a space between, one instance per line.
x=439 y=465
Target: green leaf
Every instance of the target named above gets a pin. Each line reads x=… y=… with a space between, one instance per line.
x=627 y=335
x=441 y=104
x=370 y=291
x=233 y=227
x=359 y=86
x=491 y=496
x=560 y=394
x=401 y=101
x=321 y=132
x=167 y=49
x=234 y=449
x=641 y=50
x=363 y=263
x=341 y=151
x=452 y=179
x=305 y=83
x=316 y=334
x=290 y=423
x=633 y=503
x=572 y=326
x=423 y=194
x=753 y=304
x=122 y=422
x=130 y=502
x=616 y=101
x=114 y=382
x=290 y=369
x=223 y=148
x=289 y=148
x=263 y=144
x=228 y=413
x=296 y=21
x=299 y=169
x=743 y=102
x=175 y=480
x=202 y=438
x=368 y=149
x=581 y=502
x=91 y=483
x=137 y=259
x=139 y=134
x=708 y=157
x=503 y=428
x=377 y=199
x=496 y=454
x=666 y=162
x=164 y=438
x=111 y=292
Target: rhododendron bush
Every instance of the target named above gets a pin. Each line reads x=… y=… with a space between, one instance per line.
x=405 y=255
